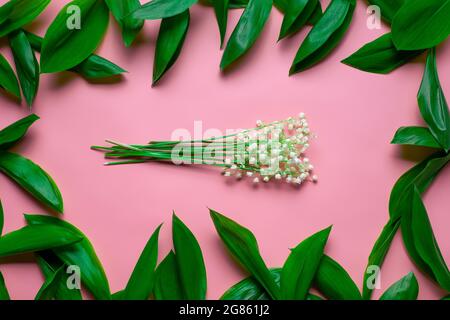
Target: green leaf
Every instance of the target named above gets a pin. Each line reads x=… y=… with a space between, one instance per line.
x=64 y=48
x=140 y=284
x=16 y=131
x=421 y=24
x=27 y=65
x=168 y=284
x=297 y=14
x=81 y=254
x=378 y=253
x=189 y=259
x=160 y=9
x=301 y=265
x=130 y=27
x=93 y=67
x=334 y=282
x=406 y=288
x=17 y=13
x=221 y=11
x=36 y=238
x=8 y=80
x=388 y=8
x=432 y=103
x=421 y=244
x=4 y=295
x=325 y=35
x=51 y=285
x=170 y=41
x=316 y=15
x=243 y=246
x=380 y=56
x=49 y=264
x=32 y=178
x=247 y=30
x=416 y=136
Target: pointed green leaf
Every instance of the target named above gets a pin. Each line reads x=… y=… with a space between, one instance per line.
x=432 y=103
x=16 y=13
x=297 y=14
x=8 y=80
x=325 y=35
x=189 y=258
x=388 y=8
x=36 y=238
x=130 y=27
x=406 y=288
x=159 y=9
x=65 y=45
x=380 y=56
x=378 y=254
x=4 y=295
x=334 y=282
x=81 y=254
x=170 y=41
x=415 y=136
x=421 y=24
x=16 y=131
x=301 y=265
x=27 y=65
x=243 y=246
x=50 y=287
x=32 y=178
x=140 y=284
x=246 y=32
x=93 y=67
x=168 y=284
x=221 y=11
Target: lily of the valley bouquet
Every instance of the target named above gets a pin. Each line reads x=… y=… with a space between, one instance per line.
x=270 y=151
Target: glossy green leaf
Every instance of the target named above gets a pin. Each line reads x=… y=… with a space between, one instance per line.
x=250 y=289
x=421 y=24
x=27 y=66
x=432 y=103
x=93 y=67
x=243 y=246
x=36 y=238
x=406 y=288
x=247 y=30
x=159 y=9
x=16 y=13
x=221 y=11
x=421 y=244
x=378 y=254
x=325 y=35
x=63 y=48
x=170 y=41
x=32 y=178
x=333 y=281
x=233 y=4
x=416 y=136
x=316 y=15
x=8 y=80
x=16 y=131
x=297 y=14
x=388 y=8
x=51 y=285
x=140 y=284
x=130 y=27
x=81 y=254
x=4 y=295
x=301 y=265
x=380 y=56
x=49 y=264
x=189 y=259
x=168 y=284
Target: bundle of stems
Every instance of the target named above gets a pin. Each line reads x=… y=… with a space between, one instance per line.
x=274 y=150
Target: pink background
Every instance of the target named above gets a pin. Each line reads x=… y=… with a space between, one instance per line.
x=354 y=114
